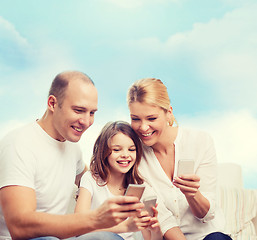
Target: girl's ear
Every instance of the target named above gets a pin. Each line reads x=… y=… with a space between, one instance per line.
x=51 y=103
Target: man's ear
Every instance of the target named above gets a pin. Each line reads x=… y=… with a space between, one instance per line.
x=51 y=103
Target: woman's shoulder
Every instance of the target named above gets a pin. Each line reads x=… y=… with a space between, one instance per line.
x=193 y=133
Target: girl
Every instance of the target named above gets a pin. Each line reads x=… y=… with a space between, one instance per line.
x=114 y=165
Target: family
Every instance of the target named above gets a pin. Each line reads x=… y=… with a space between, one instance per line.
x=40 y=162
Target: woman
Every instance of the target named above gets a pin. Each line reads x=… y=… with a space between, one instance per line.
x=190 y=197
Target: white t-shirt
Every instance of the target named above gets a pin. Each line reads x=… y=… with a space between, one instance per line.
x=196 y=145
x=100 y=193
x=30 y=157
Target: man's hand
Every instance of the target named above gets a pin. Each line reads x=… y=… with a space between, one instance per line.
x=115 y=210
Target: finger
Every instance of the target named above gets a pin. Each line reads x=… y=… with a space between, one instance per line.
x=180 y=182
x=124 y=199
x=190 y=177
x=185 y=188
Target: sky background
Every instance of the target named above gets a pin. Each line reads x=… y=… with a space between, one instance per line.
x=205 y=52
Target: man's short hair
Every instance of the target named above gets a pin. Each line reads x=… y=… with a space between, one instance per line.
x=61 y=82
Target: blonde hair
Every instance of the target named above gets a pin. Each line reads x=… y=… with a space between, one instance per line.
x=151 y=91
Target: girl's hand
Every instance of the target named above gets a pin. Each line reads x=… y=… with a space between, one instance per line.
x=138 y=223
x=188 y=184
x=153 y=232
x=154 y=225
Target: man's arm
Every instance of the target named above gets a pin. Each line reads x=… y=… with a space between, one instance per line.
x=19 y=209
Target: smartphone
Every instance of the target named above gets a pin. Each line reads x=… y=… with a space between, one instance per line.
x=185 y=166
x=135 y=190
x=149 y=203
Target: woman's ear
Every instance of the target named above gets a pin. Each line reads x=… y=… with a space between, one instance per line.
x=170 y=116
x=51 y=103
x=170 y=112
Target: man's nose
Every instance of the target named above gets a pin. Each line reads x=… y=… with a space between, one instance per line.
x=85 y=120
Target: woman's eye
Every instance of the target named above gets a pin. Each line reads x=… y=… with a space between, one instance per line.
x=152 y=119
x=135 y=119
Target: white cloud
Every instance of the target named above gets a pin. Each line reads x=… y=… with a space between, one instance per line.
x=9 y=32
x=222 y=52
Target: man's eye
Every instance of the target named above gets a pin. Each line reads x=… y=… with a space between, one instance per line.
x=92 y=113
x=78 y=110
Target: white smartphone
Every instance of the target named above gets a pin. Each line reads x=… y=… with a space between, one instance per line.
x=185 y=166
x=149 y=203
x=135 y=190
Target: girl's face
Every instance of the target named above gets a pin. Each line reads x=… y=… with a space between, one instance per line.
x=149 y=122
x=123 y=155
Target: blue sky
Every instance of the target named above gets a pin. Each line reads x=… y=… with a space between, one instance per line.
x=204 y=51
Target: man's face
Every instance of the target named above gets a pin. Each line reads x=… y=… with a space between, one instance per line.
x=76 y=113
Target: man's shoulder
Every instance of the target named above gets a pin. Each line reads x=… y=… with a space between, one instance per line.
x=17 y=134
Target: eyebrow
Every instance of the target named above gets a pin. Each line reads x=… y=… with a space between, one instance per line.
x=84 y=108
x=117 y=145
x=152 y=115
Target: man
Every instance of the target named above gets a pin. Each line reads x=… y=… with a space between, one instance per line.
x=40 y=162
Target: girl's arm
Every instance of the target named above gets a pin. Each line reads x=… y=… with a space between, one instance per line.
x=84 y=201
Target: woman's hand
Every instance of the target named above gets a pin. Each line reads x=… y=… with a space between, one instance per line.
x=188 y=184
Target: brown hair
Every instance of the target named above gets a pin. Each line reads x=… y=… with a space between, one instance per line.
x=61 y=82
x=99 y=165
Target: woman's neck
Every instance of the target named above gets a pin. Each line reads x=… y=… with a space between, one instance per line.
x=166 y=141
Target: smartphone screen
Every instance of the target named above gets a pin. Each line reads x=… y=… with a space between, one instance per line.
x=185 y=166
x=149 y=203
x=135 y=190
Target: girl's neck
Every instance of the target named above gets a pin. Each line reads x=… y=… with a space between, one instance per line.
x=115 y=184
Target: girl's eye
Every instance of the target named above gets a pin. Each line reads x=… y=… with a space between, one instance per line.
x=132 y=149
x=115 y=149
x=135 y=119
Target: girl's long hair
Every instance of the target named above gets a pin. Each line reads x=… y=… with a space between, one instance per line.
x=99 y=165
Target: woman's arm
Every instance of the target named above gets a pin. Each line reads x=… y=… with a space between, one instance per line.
x=189 y=186
x=201 y=194
x=174 y=234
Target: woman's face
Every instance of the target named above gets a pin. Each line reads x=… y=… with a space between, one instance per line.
x=123 y=153
x=149 y=122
